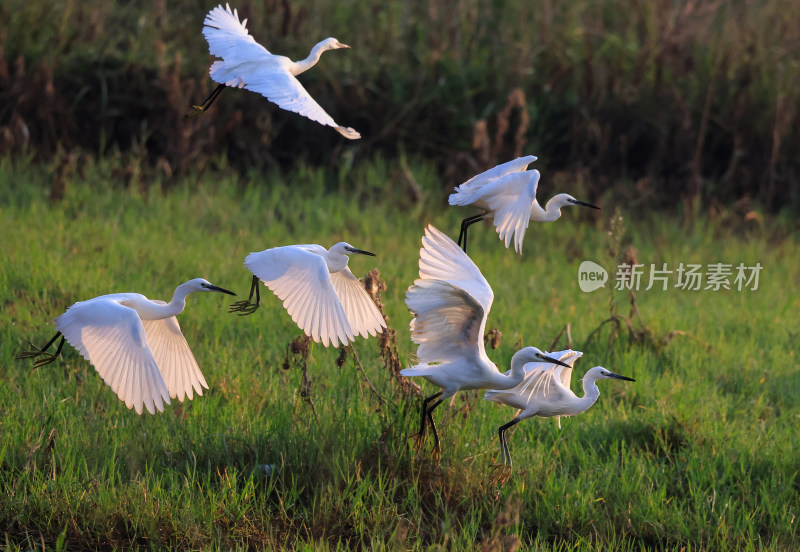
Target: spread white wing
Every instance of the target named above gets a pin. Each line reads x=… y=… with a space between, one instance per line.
x=301 y=280
x=228 y=37
x=282 y=88
x=111 y=337
x=447 y=326
x=441 y=259
x=450 y=303
x=175 y=360
x=469 y=191
x=362 y=314
x=510 y=199
x=542 y=379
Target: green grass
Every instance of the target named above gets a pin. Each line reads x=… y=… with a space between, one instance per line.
x=698 y=454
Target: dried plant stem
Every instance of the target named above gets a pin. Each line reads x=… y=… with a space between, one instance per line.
x=360 y=368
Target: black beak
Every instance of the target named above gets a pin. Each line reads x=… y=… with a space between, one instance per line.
x=219 y=289
x=360 y=252
x=617 y=376
x=554 y=361
x=576 y=202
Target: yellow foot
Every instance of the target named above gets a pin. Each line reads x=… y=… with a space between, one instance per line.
x=197 y=110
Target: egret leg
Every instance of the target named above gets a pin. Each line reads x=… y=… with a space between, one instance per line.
x=503 y=443
x=425 y=417
x=46 y=358
x=465 y=224
x=437 y=449
x=203 y=107
x=247 y=307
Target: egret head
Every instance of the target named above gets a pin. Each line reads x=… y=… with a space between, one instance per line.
x=332 y=44
x=598 y=372
x=566 y=200
x=201 y=284
x=344 y=248
x=539 y=356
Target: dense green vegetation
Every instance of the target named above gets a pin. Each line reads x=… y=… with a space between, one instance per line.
x=692 y=101
x=699 y=453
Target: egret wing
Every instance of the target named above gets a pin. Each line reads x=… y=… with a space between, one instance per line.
x=111 y=337
x=175 y=360
x=510 y=199
x=463 y=194
x=228 y=37
x=442 y=259
x=448 y=323
x=362 y=314
x=300 y=279
x=283 y=89
x=542 y=378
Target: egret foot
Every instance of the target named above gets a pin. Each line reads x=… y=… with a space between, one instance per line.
x=196 y=111
x=502 y=473
x=248 y=307
x=46 y=358
x=243 y=308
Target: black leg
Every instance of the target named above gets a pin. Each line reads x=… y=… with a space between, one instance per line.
x=203 y=107
x=465 y=224
x=247 y=307
x=503 y=443
x=437 y=446
x=425 y=414
x=425 y=417
x=46 y=358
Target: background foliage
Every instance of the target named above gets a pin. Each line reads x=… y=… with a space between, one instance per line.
x=664 y=101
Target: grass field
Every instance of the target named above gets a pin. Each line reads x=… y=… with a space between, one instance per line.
x=699 y=454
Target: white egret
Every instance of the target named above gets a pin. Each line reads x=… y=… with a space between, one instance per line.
x=546 y=392
x=135 y=344
x=507 y=195
x=247 y=64
x=450 y=302
x=318 y=290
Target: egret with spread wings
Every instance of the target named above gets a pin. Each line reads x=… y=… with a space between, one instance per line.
x=135 y=344
x=546 y=392
x=247 y=64
x=318 y=290
x=507 y=195
x=450 y=302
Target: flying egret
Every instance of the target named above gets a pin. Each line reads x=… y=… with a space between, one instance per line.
x=247 y=64
x=507 y=195
x=450 y=302
x=318 y=290
x=545 y=392
x=135 y=344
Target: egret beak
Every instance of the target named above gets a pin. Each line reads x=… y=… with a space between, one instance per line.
x=360 y=251
x=576 y=202
x=554 y=361
x=617 y=376
x=343 y=45
x=219 y=289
